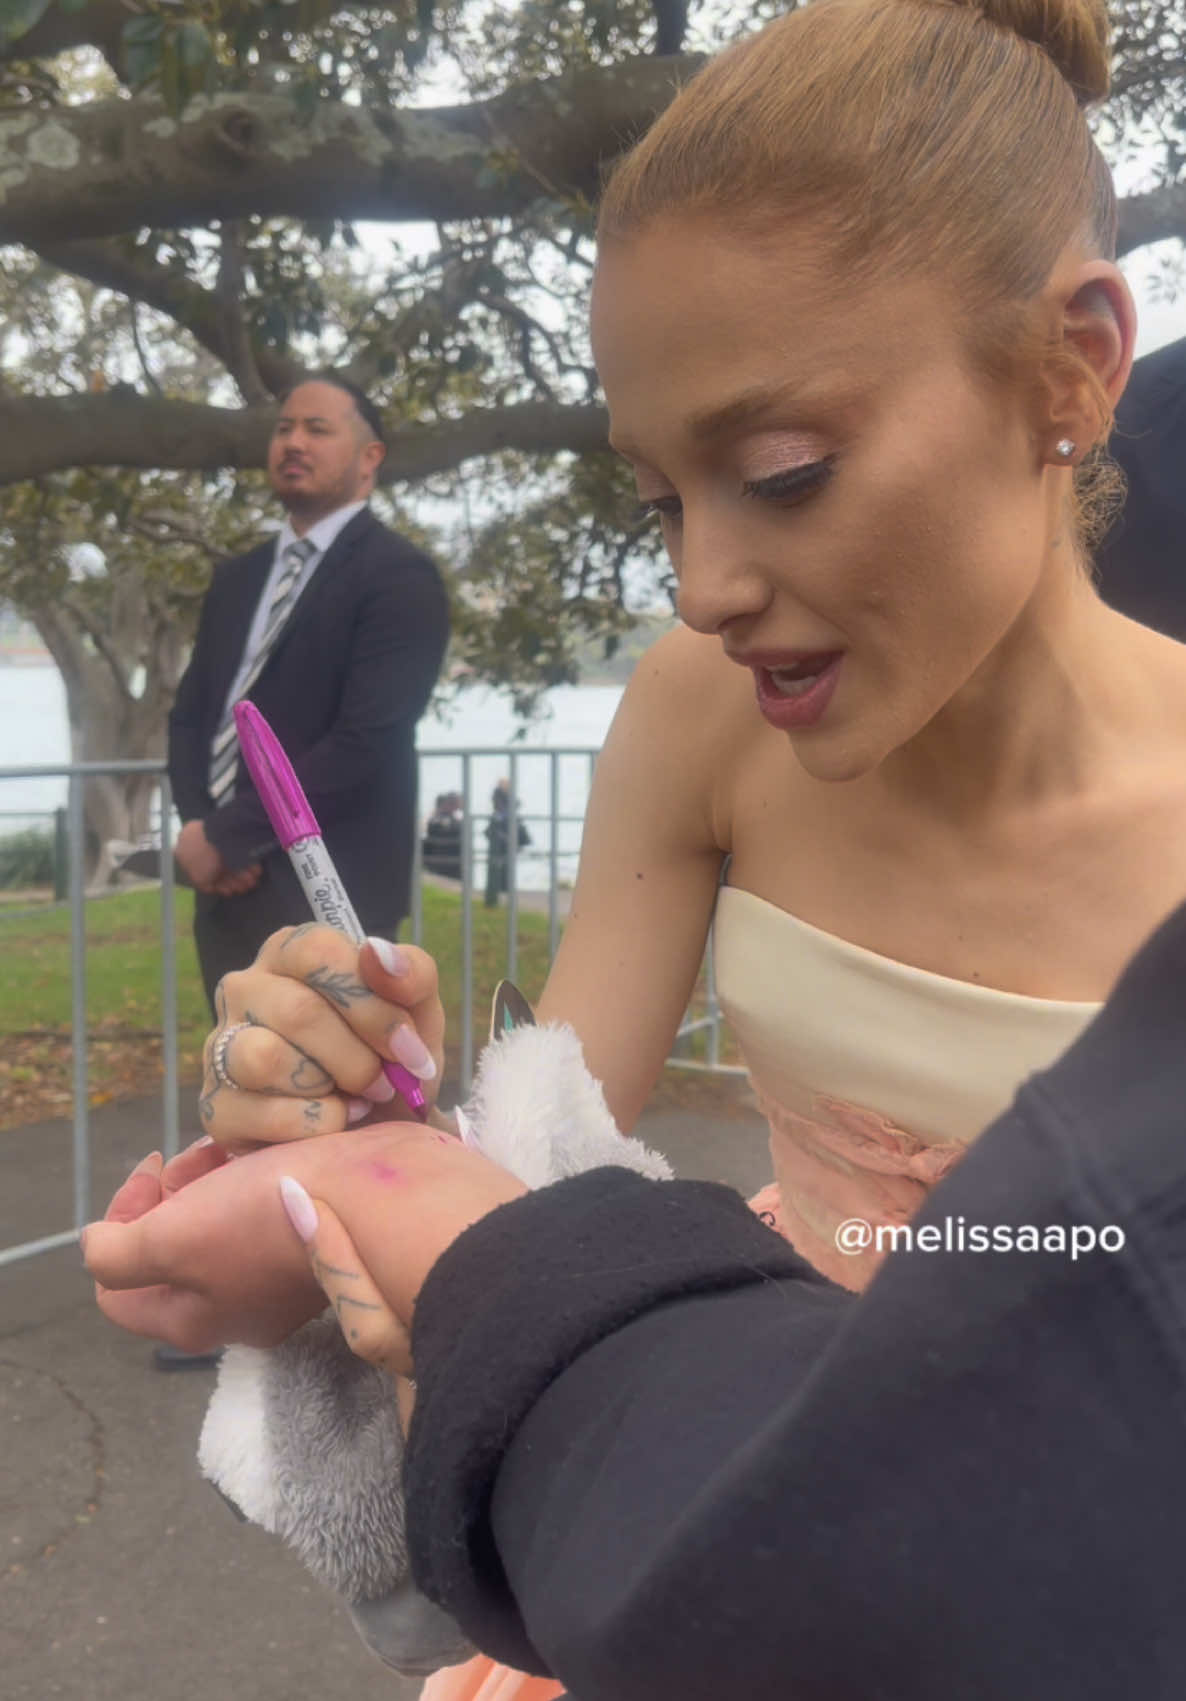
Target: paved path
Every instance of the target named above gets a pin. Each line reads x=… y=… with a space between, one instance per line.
x=122 y=1576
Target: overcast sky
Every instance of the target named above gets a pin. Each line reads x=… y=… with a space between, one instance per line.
x=1159 y=321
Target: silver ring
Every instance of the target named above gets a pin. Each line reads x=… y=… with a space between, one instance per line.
x=218 y=1055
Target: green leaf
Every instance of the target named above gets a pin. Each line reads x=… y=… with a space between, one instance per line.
x=142 y=64
x=19 y=16
x=140 y=31
x=142 y=40
x=194 y=47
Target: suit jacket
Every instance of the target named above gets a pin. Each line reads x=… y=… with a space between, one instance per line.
x=1142 y=561
x=343 y=688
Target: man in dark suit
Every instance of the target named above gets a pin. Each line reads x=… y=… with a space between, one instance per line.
x=1141 y=566
x=336 y=631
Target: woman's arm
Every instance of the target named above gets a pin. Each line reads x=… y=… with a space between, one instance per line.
x=656 y=833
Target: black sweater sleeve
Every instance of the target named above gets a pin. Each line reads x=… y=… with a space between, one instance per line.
x=657 y=1457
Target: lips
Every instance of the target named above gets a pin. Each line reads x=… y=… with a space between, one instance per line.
x=794 y=690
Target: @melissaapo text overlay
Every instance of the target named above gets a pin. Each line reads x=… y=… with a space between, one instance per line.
x=856 y=1235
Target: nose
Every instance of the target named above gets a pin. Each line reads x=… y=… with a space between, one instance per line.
x=719 y=579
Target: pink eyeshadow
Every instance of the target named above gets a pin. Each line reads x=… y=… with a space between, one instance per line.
x=781 y=451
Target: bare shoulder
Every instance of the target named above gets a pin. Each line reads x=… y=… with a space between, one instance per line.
x=688 y=696
x=1161 y=662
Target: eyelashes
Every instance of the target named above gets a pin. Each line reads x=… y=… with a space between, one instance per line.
x=668 y=507
x=794 y=484
x=784 y=489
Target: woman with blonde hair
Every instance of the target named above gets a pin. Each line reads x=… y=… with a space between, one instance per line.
x=861 y=332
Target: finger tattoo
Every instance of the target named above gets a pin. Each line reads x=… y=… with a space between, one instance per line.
x=339 y=987
x=333 y=1273
x=309 y=1076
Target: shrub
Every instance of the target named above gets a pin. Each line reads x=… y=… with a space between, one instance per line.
x=26 y=859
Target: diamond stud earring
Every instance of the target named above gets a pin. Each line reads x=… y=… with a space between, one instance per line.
x=1064 y=448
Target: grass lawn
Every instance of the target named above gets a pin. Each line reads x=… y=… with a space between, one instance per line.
x=124 y=992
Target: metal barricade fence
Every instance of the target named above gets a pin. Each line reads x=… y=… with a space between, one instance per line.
x=553 y=855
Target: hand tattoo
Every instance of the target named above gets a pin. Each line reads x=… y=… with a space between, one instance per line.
x=309 y=1076
x=339 y=987
x=337 y=1298
x=300 y=932
x=206 y=1104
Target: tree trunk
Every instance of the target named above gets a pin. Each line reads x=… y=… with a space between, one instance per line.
x=108 y=723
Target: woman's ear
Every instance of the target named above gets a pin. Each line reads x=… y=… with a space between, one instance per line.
x=1099 y=328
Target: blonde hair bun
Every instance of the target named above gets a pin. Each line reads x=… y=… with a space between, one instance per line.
x=1075 y=34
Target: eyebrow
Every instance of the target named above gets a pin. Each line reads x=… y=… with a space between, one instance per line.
x=747 y=408
x=751 y=405
x=309 y=419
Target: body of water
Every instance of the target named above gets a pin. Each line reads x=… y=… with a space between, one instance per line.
x=34 y=729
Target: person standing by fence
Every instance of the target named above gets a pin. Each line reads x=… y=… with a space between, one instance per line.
x=498 y=837
x=336 y=631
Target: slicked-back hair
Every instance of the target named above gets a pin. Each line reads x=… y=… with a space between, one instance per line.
x=948 y=136
x=365 y=408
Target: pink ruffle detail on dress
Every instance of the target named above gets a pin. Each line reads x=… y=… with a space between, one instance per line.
x=481 y=1679
x=840 y=1163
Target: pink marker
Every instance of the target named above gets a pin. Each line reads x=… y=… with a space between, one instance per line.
x=295 y=825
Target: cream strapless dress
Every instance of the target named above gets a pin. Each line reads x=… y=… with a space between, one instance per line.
x=874 y=1077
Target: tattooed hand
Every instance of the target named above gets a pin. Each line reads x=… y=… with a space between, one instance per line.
x=380 y=1224
x=303 y=1033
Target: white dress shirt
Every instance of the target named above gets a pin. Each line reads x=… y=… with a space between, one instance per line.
x=321 y=536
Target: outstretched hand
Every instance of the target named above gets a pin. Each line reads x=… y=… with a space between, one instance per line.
x=215 y=1260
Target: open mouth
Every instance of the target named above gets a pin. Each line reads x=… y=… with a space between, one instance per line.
x=798 y=679
x=796 y=695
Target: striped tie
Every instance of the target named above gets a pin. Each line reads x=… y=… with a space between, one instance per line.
x=224 y=752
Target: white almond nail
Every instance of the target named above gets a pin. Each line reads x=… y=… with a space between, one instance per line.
x=380 y=1090
x=298 y=1208
x=392 y=960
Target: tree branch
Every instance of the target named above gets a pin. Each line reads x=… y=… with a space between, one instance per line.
x=240 y=361
x=1151 y=217
x=118 y=428
x=100 y=24
x=146 y=370
x=671 y=24
x=117 y=166
x=196 y=310
x=94 y=631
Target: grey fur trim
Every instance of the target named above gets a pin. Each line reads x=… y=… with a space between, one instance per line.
x=338 y=1453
